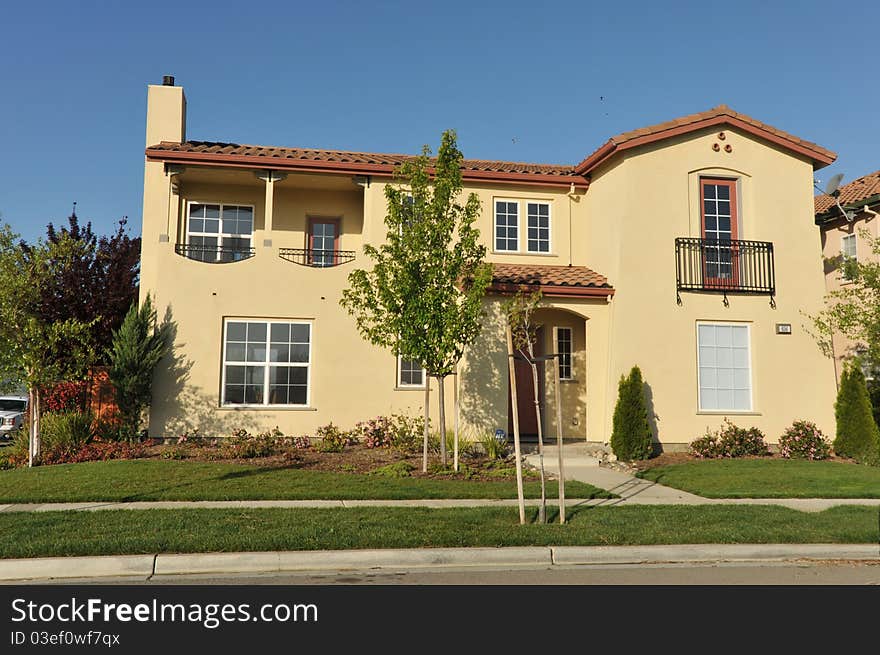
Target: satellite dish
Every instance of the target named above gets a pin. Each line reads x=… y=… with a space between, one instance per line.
x=833 y=184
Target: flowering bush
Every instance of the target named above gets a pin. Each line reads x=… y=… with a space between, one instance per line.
x=730 y=441
x=804 y=440
x=398 y=431
x=334 y=440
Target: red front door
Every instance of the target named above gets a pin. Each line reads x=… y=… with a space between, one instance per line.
x=525 y=393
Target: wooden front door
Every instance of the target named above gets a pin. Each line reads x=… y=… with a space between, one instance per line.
x=525 y=393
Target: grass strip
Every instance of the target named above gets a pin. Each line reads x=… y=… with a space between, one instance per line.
x=39 y=534
x=144 y=480
x=770 y=478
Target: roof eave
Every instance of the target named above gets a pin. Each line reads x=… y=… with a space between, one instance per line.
x=552 y=290
x=353 y=168
x=820 y=159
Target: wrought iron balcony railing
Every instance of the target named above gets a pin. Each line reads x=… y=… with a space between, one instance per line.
x=724 y=266
x=214 y=254
x=316 y=258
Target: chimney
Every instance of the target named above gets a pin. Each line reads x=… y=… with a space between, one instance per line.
x=166 y=112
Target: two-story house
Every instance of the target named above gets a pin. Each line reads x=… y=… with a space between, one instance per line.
x=685 y=248
x=843 y=221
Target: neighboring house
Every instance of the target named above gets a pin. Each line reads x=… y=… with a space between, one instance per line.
x=843 y=220
x=685 y=248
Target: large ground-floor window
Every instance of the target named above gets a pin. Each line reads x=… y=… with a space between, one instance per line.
x=266 y=362
x=724 y=361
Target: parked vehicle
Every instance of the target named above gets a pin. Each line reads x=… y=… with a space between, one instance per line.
x=12 y=413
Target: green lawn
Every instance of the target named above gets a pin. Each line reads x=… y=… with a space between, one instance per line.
x=34 y=534
x=180 y=480
x=769 y=478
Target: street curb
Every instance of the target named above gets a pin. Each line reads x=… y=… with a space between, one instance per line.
x=172 y=564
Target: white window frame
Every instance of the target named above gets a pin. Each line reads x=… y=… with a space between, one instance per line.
x=221 y=235
x=406 y=385
x=495 y=247
x=549 y=227
x=843 y=240
x=751 y=407
x=556 y=332
x=266 y=364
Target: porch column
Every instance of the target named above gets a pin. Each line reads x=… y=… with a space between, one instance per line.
x=270 y=178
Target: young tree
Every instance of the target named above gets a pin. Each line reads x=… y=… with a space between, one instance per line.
x=423 y=296
x=631 y=431
x=138 y=346
x=857 y=433
x=34 y=350
x=520 y=312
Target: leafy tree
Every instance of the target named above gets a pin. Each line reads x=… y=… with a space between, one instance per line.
x=423 y=296
x=35 y=350
x=98 y=282
x=520 y=311
x=631 y=431
x=138 y=346
x=857 y=433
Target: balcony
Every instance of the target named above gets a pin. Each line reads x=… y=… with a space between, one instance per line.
x=724 y=266
x=316 y=258
x=214 y=254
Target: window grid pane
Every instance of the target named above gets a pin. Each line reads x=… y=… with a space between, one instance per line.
x=411 y=373
x=273 y=355
x=220 y=232
x=724 y=367
x=506 y=226
x=718 y=226
x=564 y=348
x=538 y=227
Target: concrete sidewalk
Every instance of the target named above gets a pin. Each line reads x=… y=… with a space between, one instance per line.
x=151 y=566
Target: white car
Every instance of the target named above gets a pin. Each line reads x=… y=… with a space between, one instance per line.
x=12 y=413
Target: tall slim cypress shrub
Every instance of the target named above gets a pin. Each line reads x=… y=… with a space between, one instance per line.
x=857 y=433
x=631 y=431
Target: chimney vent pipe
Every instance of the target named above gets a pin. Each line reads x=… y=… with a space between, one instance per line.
x=168 y=80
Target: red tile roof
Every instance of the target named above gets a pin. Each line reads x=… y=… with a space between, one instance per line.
x=551 y=280
x=722 y=114
x=350 y=162
x=853 y=193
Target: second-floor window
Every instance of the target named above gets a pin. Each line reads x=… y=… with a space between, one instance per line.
x=848 y=251
x=507 y=232
x=719 y=219
x=219 y=232
x=323 y=241
x=506 y=226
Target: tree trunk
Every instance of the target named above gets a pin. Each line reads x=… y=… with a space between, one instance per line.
x=455 y=419
x=426 y=431
x=559 y=440
x=516 y=448
x=542 y=510
x=441 y=381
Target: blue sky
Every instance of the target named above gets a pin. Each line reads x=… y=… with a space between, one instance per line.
x=523 y=81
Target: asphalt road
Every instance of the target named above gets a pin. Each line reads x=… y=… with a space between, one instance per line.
x=769 y=573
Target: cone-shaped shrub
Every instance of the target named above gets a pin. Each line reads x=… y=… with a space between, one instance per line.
x=857 y=433
x=631 y=432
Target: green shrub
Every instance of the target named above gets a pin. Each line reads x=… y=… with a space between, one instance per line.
x=493 y=447
x=465 y=444
x=333 y=439
x=65 y=430
x=707 y=446
x=735 y=441
x=803 y=440
x=857 y=434
x=729 y=441
x=631 y=431
x=393 y=470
